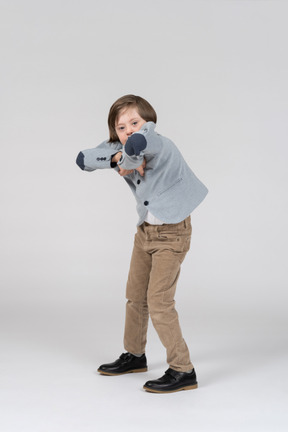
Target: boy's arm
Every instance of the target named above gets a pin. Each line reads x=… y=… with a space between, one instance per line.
x=144 y=142
x=99 y=157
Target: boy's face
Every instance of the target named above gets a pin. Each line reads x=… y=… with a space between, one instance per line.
x=128 y=121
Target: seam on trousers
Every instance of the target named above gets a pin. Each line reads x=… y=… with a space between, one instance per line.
x=141 y=327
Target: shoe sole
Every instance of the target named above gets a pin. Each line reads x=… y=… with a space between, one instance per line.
x=192 y=387
x=122 y=373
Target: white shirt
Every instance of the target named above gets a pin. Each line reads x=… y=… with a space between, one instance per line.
x=152 y=220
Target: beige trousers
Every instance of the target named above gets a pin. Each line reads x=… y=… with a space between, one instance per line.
x=155 y=265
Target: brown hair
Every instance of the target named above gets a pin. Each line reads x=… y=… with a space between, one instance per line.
x=145 y=110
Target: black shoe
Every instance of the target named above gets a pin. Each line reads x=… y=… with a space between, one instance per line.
x=127 y=363
x=172 y=381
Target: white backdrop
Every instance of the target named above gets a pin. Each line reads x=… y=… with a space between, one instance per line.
x=216 y=74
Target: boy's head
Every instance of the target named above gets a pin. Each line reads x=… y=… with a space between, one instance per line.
x=125 y=109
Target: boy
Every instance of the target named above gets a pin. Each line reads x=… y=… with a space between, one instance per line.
x=166 y=191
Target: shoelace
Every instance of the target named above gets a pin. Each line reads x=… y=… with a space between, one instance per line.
x=124 y=356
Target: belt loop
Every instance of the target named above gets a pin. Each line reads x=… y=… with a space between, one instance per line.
x=185 y=223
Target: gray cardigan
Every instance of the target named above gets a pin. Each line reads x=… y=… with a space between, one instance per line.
x=169 y=189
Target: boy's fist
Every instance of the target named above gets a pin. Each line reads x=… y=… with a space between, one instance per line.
x=117 y=157
x=141 y=169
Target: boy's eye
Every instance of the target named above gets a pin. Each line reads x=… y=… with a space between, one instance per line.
x=135 y=123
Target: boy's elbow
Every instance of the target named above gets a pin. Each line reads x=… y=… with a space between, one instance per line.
x=80 y=160
x=135 y=144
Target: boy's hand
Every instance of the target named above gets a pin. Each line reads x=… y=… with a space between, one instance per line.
x=122 y=172
x=117 y=157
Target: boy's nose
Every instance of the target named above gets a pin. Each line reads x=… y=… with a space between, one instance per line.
x=129 y=130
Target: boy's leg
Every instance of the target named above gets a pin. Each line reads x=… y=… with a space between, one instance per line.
x=136 y=322
x=170 y=244
x=136 y=314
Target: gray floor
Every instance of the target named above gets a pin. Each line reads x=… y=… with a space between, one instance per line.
x=49 y=381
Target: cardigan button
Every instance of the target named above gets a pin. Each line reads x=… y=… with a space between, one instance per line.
x=138 y=181
x=146 y=203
